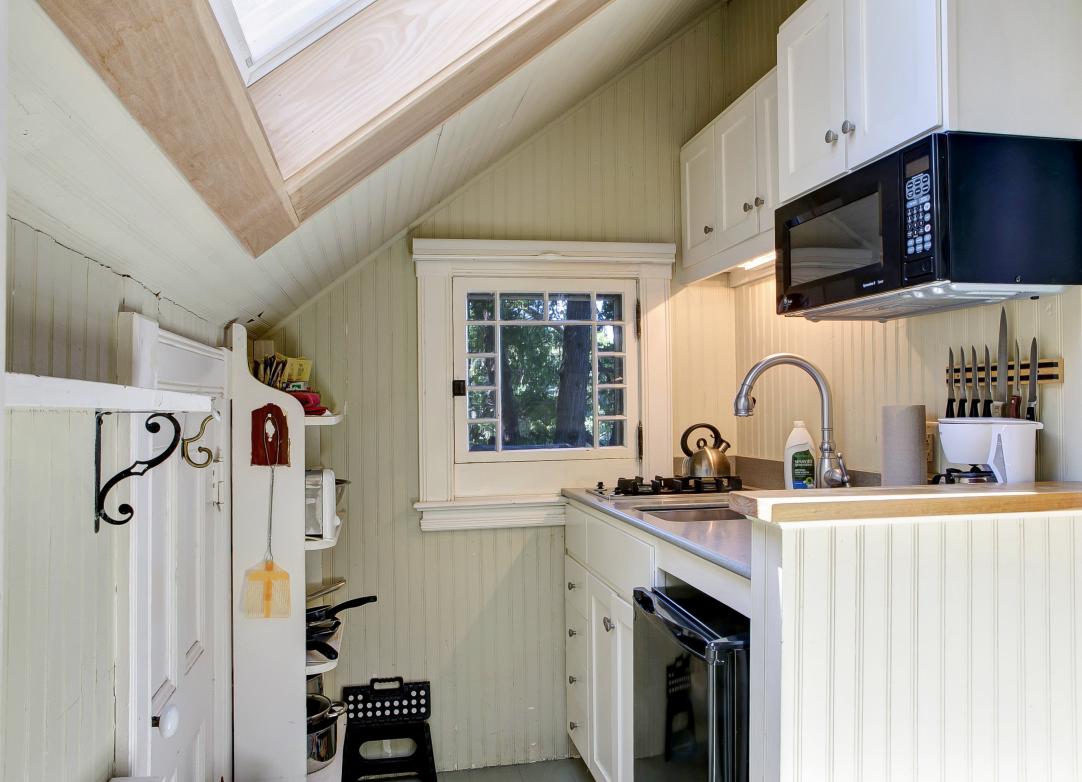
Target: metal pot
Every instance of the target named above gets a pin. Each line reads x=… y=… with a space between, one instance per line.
x=323 y=737
x=707 y=461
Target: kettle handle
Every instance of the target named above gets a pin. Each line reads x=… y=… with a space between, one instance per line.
x=709 y=427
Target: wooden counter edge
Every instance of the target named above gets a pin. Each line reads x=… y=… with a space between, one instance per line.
x=907 y=502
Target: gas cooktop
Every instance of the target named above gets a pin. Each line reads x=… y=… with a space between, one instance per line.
x=639 y=487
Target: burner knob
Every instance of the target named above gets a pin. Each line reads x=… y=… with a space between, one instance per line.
x=601 y=486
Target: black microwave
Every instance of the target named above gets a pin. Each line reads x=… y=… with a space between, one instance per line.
x=951 y=220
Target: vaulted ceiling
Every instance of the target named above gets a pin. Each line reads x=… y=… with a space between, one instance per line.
x=93 y=164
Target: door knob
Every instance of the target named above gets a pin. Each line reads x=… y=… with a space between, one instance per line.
x=747 y=207
x=708 y=229
x=848 y=127
x=607 y=624
x=830 y=137
x=167 y=722
x=759 y=201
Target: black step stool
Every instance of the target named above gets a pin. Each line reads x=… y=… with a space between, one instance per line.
x=382 y=710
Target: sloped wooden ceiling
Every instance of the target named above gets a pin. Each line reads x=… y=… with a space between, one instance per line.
x=83 y=170
x=334 y=113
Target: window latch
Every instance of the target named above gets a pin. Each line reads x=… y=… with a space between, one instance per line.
x=458 y=388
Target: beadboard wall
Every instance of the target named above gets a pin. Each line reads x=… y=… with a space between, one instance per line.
x=900 y=362
x=59 y=578
x=479 y=612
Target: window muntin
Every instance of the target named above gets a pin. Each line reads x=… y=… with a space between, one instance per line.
x=547 y=367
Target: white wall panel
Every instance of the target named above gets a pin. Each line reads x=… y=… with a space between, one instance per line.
x=901 y=362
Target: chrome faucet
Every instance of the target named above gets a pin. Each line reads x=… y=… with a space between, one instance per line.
x=830 y=472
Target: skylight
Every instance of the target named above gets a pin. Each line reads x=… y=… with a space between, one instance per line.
x=262 y=34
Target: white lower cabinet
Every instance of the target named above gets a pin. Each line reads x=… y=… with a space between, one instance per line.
x=611 y=705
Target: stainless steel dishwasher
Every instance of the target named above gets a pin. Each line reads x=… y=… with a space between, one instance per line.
x=691 y=687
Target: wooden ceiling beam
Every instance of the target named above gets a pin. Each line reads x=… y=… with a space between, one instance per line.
x=168 y=63
x=369 y=89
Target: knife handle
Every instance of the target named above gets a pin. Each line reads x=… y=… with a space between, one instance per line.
x=1015 y=410
x=987 y=408
x=975 y=408
x=960 y=410
x=950 y=408
x=1031 y=413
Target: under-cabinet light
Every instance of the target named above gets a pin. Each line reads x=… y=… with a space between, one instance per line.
x=761 y=260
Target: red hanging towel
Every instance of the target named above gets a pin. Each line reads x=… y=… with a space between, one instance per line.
x=277 y=430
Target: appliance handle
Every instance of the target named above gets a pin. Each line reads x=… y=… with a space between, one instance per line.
x=654 y=607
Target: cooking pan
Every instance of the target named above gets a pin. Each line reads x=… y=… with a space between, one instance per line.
x=318 y=613
x=322 y=647
x=323 y=629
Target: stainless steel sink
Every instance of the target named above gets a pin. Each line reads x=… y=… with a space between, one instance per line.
x=700 y=513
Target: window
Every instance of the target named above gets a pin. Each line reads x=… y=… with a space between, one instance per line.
x=262 y=34
x=550 y=369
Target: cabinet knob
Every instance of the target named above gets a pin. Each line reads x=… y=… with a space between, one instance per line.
x=167 y=722
x=607 y=624
x=571 y=679
x=708 y=229
x=747 y=207
x=830 y=137
x=571 y=586
x=759 y=201
x=572 y=725
x=848 y=127
x=571 y=633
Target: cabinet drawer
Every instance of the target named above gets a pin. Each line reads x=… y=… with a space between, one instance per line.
x=575 y=586
x=622 y=560
x=575 y=532
x=578 y=729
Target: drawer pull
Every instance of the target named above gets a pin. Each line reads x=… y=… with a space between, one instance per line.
x=571 y=679
x=571 y=586
x=759 y=201
x=708 y=229
x=571 y=633
x=572 y=725
x=607 y=624
x=747 y=206
x=830 y=137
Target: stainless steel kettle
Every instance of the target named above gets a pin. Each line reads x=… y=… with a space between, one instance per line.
x=706 y=461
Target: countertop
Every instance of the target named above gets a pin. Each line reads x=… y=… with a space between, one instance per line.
x=907 y=502
x=726 y=543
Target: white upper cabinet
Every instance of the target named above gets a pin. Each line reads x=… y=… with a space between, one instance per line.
x=736 y=154
x=698 y=194
x=734 y=139
x=892 y=67
x=811 y=96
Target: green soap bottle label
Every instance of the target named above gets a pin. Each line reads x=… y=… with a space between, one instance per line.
x=803 y=470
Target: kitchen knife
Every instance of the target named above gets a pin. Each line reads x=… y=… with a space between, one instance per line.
x=961 y=409
x=975 y=402
x=1031 y=402
x=1016 y=392
x=1001 y=366
x=950 y=383
x=987 y=395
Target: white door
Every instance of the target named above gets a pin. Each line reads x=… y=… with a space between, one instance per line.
x=892 y=74
x=811 y=97
x=734 y=139
x=697 y=194
x=612 y=677
x=178 y=536
x=766 y=149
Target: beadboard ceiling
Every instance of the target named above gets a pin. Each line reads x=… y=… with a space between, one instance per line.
x=84 y=171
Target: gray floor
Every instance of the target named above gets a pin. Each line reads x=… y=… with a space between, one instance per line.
x=573 y=770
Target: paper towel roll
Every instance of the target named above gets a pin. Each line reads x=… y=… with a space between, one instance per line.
x=902 y=442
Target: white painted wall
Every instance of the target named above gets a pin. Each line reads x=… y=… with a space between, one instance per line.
x=58 y=685
x=901 y=362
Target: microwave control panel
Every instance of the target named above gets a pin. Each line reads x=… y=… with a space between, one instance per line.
x=919 y=225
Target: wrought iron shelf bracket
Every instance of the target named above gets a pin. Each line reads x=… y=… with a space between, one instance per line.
x=138 y=468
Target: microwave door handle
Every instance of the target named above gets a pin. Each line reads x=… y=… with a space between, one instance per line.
x=682 y=633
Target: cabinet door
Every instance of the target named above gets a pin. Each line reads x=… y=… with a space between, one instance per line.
x=766 y=149
x=612 y=688
x=734 y=142
x=892 y=75
x=811 y=97
x=698 y=194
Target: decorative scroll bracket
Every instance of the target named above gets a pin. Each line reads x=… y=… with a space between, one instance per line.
x=139 y=467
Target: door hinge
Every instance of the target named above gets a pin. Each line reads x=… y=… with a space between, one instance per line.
x=458 y=388
x=638 y=432
x=638 y=319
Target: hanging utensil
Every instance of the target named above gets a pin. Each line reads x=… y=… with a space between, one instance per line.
x=265 y=592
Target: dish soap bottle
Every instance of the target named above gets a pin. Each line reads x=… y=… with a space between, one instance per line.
x=799 y=458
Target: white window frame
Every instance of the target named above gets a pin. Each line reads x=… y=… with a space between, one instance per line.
x=514 y=492
x=628 y=289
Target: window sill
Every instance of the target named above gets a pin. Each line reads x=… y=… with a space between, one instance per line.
x=535 y=510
